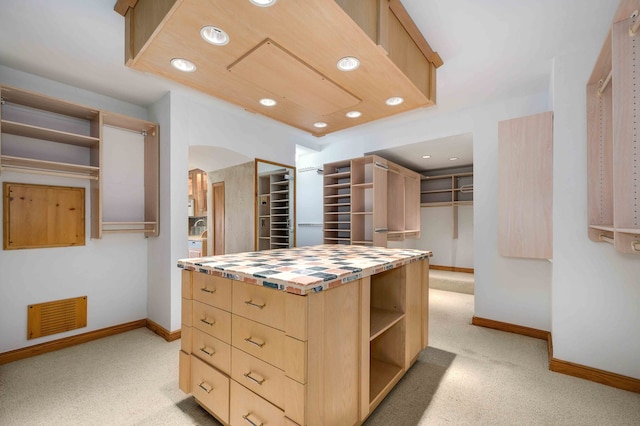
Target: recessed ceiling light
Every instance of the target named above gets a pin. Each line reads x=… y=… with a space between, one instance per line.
x=320 y=124
x=263 y=3
x=426 y=156
x=353 y=114
x=453 y=158
x=348 y=63
x=395 y=100
x=214 y=35
x=183 y=65
x=268 y=102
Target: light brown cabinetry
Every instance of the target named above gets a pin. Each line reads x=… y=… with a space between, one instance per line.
x=455 y=189
x=613 y=148
x=198 y=191
x=370 y=201
x=525 y=186
x=325 y=358
x=275 y=207
x=45 y=135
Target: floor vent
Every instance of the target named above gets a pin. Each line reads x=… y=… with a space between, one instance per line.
x=56 y=317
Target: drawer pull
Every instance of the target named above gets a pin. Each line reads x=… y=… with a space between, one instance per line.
x=204 y=321
x=258 y=343
x=255 y=377
x=205 y=387
x=255 y=305
x=255 y=422
x=206 y=290
x=208 y=351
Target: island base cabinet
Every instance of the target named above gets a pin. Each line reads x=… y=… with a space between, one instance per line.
x=247 y=408
x=210 y=388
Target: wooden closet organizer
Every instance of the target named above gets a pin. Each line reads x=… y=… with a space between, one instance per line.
x=613 y=150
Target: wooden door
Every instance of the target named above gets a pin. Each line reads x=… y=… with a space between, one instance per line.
x=218 y=218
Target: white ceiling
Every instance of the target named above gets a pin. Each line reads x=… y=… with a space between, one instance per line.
x=492 y=49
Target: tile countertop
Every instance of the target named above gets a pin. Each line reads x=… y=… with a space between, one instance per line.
x=305 y=270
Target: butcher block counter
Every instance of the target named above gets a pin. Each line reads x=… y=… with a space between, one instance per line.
x=309 y=336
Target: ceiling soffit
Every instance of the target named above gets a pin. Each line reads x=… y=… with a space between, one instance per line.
x=287 y=52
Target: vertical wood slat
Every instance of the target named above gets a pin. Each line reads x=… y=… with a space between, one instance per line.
x=525 y=177
x=44 y=319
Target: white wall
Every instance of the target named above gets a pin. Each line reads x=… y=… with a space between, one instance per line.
x=110 y=271
x=516 y=291
x=596 y=290
x=436 y=235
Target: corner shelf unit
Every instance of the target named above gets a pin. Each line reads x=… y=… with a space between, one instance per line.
x=49 y=136
x=453 y=189
x=613 y=147
x=370 y=201
x=274 y=209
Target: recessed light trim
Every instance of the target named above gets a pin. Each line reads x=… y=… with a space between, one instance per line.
x=214 y=35
x=320 y=124
x=268 y=102
x=263 y=3
x=353 y=114
x=394 y=100
x=426 y=156
x=453 y=158
x=348 y=63
x=183 y=65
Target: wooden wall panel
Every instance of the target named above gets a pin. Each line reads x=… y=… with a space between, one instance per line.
x=525 y=172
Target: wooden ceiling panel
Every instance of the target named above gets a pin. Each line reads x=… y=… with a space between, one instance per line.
x=297 y=68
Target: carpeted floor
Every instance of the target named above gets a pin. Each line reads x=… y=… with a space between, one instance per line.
x=467 y=376
x=460 y=282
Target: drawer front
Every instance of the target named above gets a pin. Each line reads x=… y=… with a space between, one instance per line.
x=262 y=304
x=212 y=290
x=212 y=351
x=258 y=376
x=259 y=340
x=248 y=408
x=210 y=388
x=213 y=321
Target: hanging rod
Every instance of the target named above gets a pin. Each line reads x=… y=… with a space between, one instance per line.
x=24 y=169
x=605 y=83
x=138 y=132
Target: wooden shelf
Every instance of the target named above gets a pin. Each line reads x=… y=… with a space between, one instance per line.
x=382 y=320
x=35 y=132
x=29 y=165
x=382 y=376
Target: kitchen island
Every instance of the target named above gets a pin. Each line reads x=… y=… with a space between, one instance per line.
x=310 y=336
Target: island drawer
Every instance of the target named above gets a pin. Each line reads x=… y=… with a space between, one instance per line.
x=258 y=376
x=213 y=321
x=212 y=351
x=262 y=304
x=259 y=340
x=210 y=388
x=248 y=407
x=212 y=290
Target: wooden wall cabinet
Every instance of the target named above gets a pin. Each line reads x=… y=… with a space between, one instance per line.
x=45 y=135
x=370 y=201
x=525 y=186
x=198 y=191
x=613 y=147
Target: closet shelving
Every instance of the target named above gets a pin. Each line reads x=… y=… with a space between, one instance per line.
x=451 y=189
x=337 y=203
x=274 y=210
x=49 y=136
x=613 y=148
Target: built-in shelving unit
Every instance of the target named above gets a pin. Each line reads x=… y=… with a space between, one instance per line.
x=44 y=135
x=447 y=189
x=370 y=201
x=613 y=147
x=274 y=209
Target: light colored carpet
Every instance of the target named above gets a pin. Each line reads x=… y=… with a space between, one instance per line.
x=460 y=282
x=467 y=376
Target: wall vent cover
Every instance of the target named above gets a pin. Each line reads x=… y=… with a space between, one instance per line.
x=57 y=316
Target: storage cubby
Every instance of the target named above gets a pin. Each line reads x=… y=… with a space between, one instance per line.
x=613 y=148
x=274 y=209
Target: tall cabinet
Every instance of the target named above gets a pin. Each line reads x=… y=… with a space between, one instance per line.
x=613 y=148
x=48 y=136
x=370 y=201
x=275 y=200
